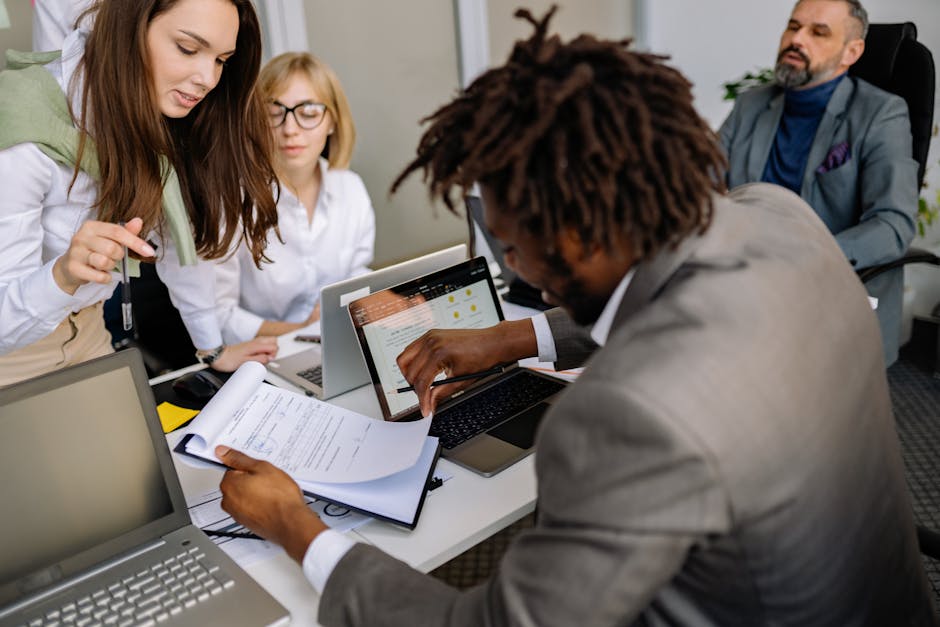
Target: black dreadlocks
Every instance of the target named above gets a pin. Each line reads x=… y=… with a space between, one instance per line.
x=584 y=134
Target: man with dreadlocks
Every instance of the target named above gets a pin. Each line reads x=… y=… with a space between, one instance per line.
x=703 y=470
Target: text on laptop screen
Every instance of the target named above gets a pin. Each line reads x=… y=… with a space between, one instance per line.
x=457 y=298
x=79 y=469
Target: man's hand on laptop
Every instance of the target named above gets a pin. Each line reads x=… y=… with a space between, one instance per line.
x=268 y=502
x=462 y=351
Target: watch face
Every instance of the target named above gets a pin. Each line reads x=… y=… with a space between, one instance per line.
x=207 y=357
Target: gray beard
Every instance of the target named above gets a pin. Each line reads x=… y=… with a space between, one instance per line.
x=788 y=77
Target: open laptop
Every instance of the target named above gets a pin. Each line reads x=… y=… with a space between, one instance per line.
x=517 y=290
x=336 y=365
x=94 y=522
x=490 y=424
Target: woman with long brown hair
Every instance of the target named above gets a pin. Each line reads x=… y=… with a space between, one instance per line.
x=146 y=130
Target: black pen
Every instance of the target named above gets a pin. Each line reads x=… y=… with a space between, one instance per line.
x=126 y=292
x=460 y=377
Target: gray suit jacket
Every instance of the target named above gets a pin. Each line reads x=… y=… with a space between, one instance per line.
x=703 y=470
x=869 y=202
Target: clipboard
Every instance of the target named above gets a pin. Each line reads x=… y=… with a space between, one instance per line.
x=397 y=498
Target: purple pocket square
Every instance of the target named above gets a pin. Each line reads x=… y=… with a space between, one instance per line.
x=838 y=155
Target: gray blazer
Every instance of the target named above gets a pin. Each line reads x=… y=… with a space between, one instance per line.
x=868 y=201
x=704 y=469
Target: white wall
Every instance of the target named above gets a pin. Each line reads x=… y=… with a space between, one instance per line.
x=19 y=36
x=608 y=19
x=716 y=41
x=398 y=63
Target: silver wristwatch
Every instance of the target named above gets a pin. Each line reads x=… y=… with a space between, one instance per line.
x=209 y=356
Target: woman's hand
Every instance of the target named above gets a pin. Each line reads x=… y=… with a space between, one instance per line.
x=95 y=249
x=279 y=327
x=462 y=351
x=313 y=317
x=261 y=349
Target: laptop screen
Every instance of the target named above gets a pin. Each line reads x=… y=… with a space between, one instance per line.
x=81 y=471
x=474 y=207
x=459 y=297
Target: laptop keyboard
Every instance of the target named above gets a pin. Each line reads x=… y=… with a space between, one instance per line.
x=488 y=408
x=151 y=596
x=313 y=375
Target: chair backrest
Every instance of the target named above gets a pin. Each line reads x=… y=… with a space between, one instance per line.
x=895 y=61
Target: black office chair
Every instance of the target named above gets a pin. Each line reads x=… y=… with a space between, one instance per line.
x=159 y=332
x=895 y=61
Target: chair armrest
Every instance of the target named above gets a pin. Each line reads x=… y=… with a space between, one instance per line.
x=913 y=255
x=929 y=542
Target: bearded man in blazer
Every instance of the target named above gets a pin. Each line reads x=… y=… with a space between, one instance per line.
x=703 y=470
x=840 y=143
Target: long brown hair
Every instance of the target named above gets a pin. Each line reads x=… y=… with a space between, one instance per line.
x=221 y=151
x=583 y=134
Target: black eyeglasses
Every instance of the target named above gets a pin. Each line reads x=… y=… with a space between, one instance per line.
x=308 y=115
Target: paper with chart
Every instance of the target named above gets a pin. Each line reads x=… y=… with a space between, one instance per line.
x=309 y=439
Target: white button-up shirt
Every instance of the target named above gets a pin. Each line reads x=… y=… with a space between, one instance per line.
x=337 y=244
x=39 y=216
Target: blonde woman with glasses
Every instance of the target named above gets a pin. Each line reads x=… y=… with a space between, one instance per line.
x=325 y=216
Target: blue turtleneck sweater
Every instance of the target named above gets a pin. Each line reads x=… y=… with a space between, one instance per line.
x=802 y=111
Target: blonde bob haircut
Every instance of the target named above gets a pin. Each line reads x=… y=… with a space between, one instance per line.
x=278 y=72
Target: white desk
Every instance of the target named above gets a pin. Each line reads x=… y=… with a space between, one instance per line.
x=466 y=510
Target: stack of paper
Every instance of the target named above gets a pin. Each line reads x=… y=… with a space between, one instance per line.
x=376 y=467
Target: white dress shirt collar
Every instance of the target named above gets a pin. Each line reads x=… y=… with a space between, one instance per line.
x=601 y=328
x=327 y=190
x=326 y=184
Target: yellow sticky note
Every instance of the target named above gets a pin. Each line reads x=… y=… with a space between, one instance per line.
x=172 y=416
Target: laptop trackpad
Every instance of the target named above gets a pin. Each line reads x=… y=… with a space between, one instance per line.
x=520 y=430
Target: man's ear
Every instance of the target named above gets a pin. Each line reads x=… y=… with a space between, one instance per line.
x=571 y=247
x=853 y=52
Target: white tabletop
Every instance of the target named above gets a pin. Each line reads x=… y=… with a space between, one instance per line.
x=464 y=511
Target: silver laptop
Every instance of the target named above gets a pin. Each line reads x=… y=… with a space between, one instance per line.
x=489 y=425
x=336 y=365
x=95 y=528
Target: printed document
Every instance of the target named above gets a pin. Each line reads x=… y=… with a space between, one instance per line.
x=310 y=440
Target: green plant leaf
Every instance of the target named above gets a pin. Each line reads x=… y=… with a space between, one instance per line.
x=749 y=80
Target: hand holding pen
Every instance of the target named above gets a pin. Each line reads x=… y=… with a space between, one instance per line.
x=95 y=250
x=462 y=351
x=126 y=314
x=461 y=377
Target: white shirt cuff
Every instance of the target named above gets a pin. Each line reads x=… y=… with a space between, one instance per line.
x=543 y=336
x=241 y=326
x=46 y=298
x=204 y=330
x=322 y=556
